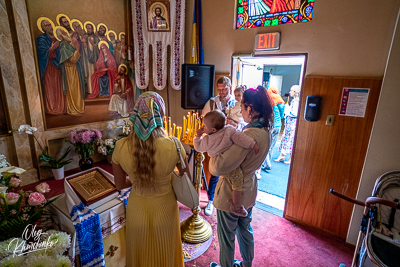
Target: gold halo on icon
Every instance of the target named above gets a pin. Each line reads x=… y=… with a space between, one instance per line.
x=126 y=68
x=61 y=15
x=39 y=23
x=102 y=42
x=55 y=29
x=119 y=36
x=91 y=23
x=111 y=31
x=75 y=20
x=105 y=26
x=160 y=6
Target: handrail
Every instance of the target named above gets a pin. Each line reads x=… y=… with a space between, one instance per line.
x=369 y=202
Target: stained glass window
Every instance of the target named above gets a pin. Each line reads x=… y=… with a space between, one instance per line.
x=264 y=13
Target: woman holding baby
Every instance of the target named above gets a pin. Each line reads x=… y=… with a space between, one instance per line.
x=257 y=112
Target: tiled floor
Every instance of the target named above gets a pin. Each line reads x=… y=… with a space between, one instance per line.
x=271 y=200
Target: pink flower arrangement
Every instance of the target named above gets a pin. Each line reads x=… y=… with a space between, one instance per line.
x=36 y=199
x=84 y=141
x=18 y=209
x=11 y=198
x=43 y=188
x=84 y=136
x=15 y=182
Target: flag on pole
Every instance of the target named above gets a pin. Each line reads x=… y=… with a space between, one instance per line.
x=196 y=55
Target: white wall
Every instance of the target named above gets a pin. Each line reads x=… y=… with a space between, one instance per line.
x=383 y=153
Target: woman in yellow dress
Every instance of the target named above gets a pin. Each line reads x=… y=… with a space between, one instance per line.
x=148 y=157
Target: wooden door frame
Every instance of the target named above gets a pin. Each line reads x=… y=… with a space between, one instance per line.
x=302 y=83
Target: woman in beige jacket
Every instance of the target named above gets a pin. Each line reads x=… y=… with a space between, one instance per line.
x=257 y=111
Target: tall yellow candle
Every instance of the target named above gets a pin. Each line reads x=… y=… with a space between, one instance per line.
x=184 y=124
x=169 y=126
x=173 y=131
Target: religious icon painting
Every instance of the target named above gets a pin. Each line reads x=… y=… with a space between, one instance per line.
x=78 y=53
x=158 y=16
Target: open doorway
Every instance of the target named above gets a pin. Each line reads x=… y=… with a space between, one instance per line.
x=280 y=72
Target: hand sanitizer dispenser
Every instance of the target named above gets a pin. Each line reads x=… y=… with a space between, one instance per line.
x=313 y=108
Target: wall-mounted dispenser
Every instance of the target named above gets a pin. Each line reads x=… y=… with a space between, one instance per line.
x=313 y=108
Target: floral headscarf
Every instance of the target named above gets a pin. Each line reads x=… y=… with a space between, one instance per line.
x=147 y=114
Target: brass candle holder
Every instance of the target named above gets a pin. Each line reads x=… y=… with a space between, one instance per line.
x=195 y=229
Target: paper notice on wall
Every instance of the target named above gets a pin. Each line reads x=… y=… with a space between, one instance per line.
x=354 y=102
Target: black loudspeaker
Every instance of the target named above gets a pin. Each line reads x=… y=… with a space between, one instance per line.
x=197 y=85
x=313 y=108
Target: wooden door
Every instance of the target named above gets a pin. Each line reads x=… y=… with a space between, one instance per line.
x=327 y=157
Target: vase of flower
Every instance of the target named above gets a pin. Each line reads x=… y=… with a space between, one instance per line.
x=84 y=141
x=58 y=173
x=109 y=158
x=54 y=163
x=85 y=164
x=106 y=147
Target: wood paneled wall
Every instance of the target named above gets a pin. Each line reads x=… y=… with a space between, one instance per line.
x=329 y=156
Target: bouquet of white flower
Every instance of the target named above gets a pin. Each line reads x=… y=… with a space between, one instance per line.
x=3 y=161
x=106 y=146
x=57 y=244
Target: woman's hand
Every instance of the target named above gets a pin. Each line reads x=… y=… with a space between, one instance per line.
x=121 y=179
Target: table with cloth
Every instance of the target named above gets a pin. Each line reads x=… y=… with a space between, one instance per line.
x=97 y=231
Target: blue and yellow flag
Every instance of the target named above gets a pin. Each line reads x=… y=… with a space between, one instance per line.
x=196 y=53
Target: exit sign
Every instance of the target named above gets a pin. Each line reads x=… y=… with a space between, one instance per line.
x=267 y=41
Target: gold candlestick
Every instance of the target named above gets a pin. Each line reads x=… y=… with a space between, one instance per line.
x=195 y=229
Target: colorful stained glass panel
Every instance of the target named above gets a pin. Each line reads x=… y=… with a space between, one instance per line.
x=265 y=13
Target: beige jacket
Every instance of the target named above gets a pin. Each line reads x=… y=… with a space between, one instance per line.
x=249 y=162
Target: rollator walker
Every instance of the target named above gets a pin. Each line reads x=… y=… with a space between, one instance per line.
x=379 y=236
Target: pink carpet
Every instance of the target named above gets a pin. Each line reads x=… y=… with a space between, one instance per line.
x=279 y=242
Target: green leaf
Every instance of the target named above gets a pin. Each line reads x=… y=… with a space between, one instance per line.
x=56 y=164
x=65 y=154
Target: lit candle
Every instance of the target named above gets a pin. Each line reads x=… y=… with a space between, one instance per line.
x=189 y=121
x=179 y=129
x=173 y=132
x=169 y=126
x=184 y=123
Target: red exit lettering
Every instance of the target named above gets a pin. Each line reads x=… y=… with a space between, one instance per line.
x=267 y=41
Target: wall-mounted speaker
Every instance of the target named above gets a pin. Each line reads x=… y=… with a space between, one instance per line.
x=197 y=85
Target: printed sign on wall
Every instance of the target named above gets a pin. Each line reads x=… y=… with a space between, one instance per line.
x=354 y=102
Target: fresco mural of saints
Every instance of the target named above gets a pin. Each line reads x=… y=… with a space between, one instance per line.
x=79 y=54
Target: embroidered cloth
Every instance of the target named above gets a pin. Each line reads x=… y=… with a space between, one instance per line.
x=159 y=40
x=91 y=225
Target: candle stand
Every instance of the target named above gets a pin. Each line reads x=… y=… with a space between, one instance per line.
x=195 y=229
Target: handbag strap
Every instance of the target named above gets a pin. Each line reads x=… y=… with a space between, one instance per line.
x=178 y=147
